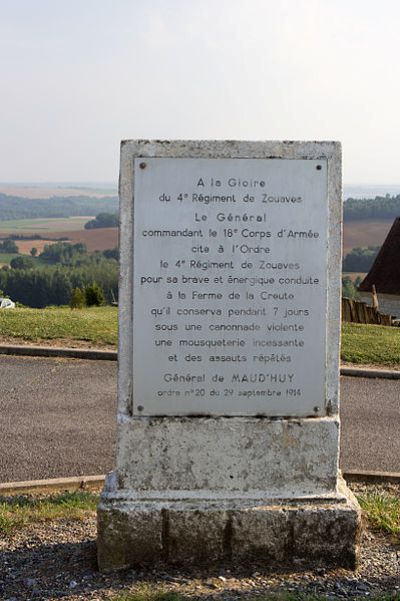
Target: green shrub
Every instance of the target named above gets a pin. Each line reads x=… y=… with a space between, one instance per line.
x=21 y=263
x=94 y=296
x=77 y=299
x=8 y=246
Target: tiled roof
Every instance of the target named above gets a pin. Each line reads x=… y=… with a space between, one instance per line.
x=385 y=272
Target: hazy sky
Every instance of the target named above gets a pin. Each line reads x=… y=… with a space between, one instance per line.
x=77 y=76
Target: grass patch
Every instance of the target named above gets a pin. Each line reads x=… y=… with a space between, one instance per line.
x=382 y=511
x=6 y=258
x=97 y=325
x=363 y=344
x=17 y=512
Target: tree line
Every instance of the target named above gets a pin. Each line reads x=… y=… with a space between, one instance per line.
x=8 y=246
x=17 y=207
x=61 y=268
x=380 y=207
x=103 y=220
x=360 y=259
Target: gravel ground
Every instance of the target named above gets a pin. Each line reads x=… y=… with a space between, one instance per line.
x=58 y=560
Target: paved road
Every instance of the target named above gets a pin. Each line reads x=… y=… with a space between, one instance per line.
x=370 y=415
x=58 y=419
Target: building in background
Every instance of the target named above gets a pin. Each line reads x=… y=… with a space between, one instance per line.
x=385 y=275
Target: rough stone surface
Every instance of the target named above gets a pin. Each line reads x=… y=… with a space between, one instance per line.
x=331 y=533
x=196 y=535
x=205 y=457
x=128 y=536
x=327 y=533
x=260 y=532
x=205 y=532
x=239 y=487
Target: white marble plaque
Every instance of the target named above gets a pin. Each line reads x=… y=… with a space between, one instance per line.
x=229 y=286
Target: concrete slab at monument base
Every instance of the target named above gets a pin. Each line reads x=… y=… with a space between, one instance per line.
x=246 y=466
x=134 y=532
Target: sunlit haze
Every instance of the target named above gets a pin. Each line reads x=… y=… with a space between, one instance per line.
x=77 y=76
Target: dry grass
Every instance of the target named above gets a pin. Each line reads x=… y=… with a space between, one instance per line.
x=25 y=246
x=18 y=512
x=96 y=239
x=364 y=233
x=382 y=511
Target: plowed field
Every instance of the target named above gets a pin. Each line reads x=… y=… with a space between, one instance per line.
x=355 y=234
x=25 y=246
x=365 y=233
x=97 y=239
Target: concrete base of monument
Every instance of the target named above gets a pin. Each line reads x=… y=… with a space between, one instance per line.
x=133 y=531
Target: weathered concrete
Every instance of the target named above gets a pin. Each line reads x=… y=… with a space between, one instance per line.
x=229 y=149
x=193 y=489
x=228 y=457
x=52 y=485
x=129 y=536
x=54 y=351
x=367 y=372
x=133 y=532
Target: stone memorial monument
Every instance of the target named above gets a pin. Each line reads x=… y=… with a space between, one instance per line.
x=228 y=425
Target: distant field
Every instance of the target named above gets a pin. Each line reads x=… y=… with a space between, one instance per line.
x=38 y=226
x=47 y=192
x=369 y=232
x=5 y=258
x=355 y=233
x=71 y=228
x=25 y=246
x=97 y=239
